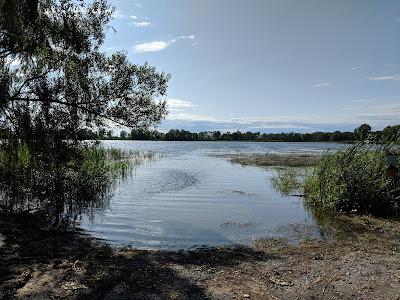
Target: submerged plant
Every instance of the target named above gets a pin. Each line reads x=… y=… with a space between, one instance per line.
x=288 y=180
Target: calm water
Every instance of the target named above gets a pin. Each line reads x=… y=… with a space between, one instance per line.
x=186 y=198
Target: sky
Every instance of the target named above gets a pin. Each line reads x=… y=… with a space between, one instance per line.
x=268 y=65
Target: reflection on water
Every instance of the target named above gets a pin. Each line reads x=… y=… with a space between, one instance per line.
x=187 y=198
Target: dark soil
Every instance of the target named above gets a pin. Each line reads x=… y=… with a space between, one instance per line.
x=38 y=263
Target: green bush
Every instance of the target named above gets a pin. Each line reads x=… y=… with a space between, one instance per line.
x=354 y=179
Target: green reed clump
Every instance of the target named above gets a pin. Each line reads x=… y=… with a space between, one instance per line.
x=59 y=183
x=354 y=179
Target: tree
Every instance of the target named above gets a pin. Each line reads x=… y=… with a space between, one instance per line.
x=362 y=132
x=123 y=134
x=216 y=135
x=53 y=76
x=391 y=133
x=55 y=85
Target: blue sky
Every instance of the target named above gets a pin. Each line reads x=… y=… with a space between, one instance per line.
x=268 y=65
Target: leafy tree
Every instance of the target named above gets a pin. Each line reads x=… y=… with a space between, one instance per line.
x=391 y=133
x=217 y=135
x=56 y=86
x=362 y=132
x=123 y=134
x=54 y=77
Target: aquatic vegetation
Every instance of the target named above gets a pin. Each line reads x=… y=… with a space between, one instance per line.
x=289 y=180
x=355 y=180
x=273 y=159
x=59 y=186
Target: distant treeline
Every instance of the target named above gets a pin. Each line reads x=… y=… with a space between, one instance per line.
x=362 y=132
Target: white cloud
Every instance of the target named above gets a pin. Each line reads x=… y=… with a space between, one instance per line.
x=138 y=5
x=384 y=78
x=189 y=37
x=178 y=103
x=141 y=24
x=378 y=116
x=151 y=47
x=134 y=17
x=159 y=45
x=322 y=84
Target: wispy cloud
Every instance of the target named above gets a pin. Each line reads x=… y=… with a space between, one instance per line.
x=134 y=17
x=378 y=116
x=178 y=103
x=159 y=45
x=138 y=5
x=322 y=84
x=141 y=24
x=118 y=15
x=385 y=78
x=360 y=101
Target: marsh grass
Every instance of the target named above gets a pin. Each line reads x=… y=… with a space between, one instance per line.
x=355 y=180
x=61 y=186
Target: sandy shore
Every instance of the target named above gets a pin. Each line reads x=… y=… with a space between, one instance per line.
x=36 y=263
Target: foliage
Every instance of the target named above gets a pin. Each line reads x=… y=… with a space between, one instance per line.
x=355 y=179
x=54 y=78
x=362 y=132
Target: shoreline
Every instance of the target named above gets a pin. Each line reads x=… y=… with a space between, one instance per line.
x=49 y=264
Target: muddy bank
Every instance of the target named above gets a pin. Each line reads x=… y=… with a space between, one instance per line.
x=36 y=263
x=269 y=159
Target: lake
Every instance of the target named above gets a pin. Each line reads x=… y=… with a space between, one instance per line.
x=184 y=198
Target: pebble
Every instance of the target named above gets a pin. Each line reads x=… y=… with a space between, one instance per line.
x=246 y=296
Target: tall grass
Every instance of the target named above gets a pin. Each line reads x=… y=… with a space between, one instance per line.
x=60 y=186
x=354 y=179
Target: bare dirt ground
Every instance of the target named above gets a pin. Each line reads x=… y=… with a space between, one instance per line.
x=364 y=263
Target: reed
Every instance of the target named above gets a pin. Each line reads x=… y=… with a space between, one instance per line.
x=354 y=180
x=61 y=186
